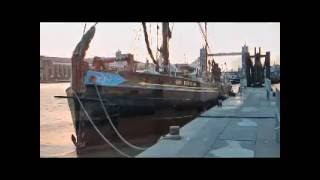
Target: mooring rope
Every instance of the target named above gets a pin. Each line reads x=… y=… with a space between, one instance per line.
x=98 y=131
x=111 y=123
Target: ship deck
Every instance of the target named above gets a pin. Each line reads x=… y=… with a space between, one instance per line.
x=169 y=87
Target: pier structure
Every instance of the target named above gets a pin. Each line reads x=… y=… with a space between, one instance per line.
x=251 y=73
x=245 y=126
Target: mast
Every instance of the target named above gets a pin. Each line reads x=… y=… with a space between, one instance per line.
x=206 y=33
x=166 y=35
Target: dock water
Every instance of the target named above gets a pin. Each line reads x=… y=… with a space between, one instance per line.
x=246 y=126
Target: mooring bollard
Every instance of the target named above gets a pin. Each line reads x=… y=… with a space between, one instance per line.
x=174 y=130
x=219 y=102
x=174 y=133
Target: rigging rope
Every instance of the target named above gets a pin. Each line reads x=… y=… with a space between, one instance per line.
x=111 y=123
x=136 y=38
x=172 y=28
x=98 y=131
x=157 y=52
x=84 y=29
x=148 y=46
x=150 y=35
x=204 y=36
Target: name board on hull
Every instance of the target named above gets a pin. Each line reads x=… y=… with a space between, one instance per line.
x=103 y=78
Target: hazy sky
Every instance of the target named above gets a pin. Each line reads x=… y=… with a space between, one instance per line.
x=60 y=39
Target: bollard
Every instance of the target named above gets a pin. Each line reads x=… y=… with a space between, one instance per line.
x=174 y=133
x=219 y=102
x=174 y=130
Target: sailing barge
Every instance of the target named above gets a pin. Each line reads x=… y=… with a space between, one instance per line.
x=139 y=104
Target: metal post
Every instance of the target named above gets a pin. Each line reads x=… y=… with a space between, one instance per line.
x=243 y=78
x=267 y=64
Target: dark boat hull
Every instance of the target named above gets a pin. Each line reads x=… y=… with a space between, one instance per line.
x=136 y=112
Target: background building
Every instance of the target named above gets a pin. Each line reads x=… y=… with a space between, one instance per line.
x=54 y=69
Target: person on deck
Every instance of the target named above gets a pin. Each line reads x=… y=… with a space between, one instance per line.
x=268 y=87
x=219 y=101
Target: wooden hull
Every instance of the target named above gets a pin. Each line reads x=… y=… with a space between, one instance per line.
x=137 y=112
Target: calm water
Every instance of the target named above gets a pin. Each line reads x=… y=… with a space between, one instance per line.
x=56 y=124
x=55 y=121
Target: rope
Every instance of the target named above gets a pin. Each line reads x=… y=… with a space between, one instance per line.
x=84 y=29
x=146 y=39
x=172 y=28
x=204 y=36
x=95 y=127
x=114 y=128
x=85 y=25
x=133 y=44
x=150 y=34
x=157 y=52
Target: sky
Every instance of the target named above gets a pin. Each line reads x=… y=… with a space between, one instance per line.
x=60 y=39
